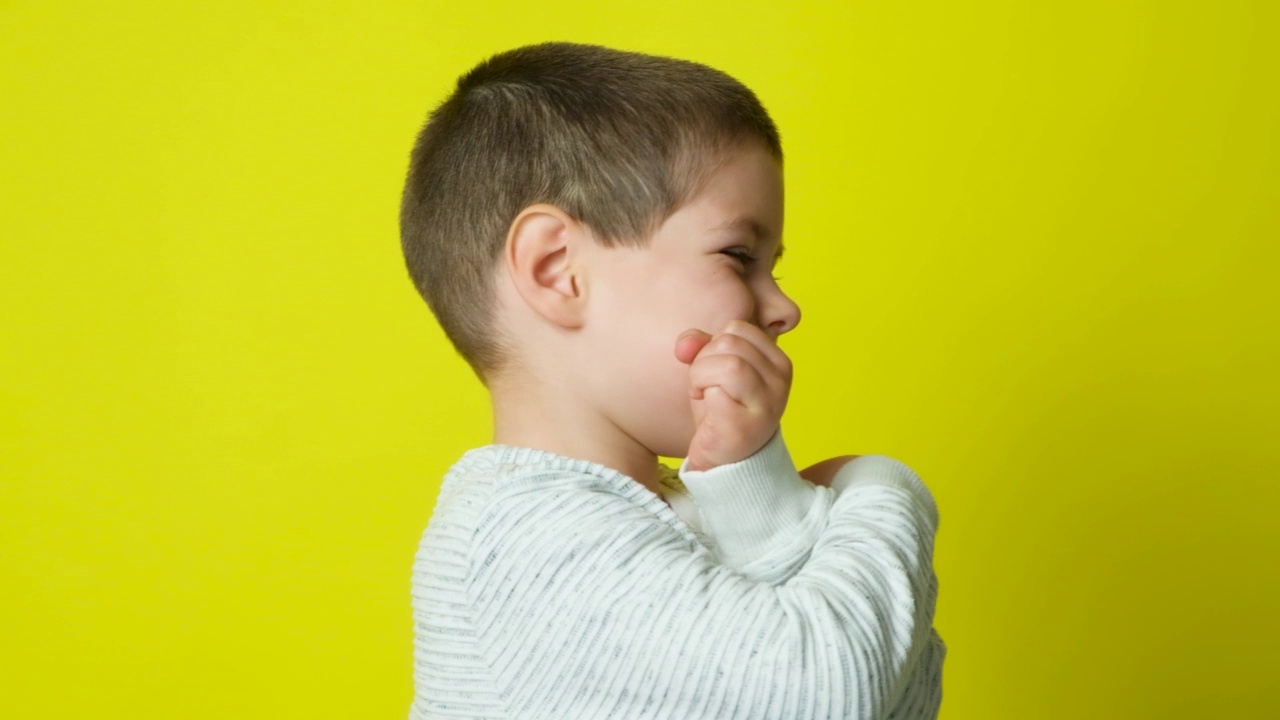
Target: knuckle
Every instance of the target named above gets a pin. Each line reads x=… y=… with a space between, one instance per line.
x=726 y=342
x=736 y=328
x=737 y=364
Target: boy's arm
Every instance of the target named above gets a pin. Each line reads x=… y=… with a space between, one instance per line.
x=751 y=501
x=585 y=603
x=760 y=534
x=761 y=512
x=920 y=695
x=763 y=516
x=923 y=696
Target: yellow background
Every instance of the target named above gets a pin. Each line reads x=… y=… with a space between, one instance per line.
x=1035 y=245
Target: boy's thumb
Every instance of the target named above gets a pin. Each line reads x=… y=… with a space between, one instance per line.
x=689 y=343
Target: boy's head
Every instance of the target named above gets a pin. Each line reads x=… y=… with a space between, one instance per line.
x=611 y=142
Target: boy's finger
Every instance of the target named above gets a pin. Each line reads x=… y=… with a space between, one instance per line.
x=690 y=343
x=762 y=342
x=736 y=345
x=736 y=377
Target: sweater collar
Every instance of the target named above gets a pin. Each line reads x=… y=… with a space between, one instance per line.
x=674 y=496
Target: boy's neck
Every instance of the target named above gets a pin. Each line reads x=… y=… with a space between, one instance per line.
x=556 y=423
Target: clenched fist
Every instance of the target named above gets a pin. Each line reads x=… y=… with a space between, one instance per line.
x=739 y=382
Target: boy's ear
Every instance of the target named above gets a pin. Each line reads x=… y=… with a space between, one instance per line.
x=540 y=256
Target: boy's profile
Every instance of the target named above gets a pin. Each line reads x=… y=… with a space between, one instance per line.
x=596 y=232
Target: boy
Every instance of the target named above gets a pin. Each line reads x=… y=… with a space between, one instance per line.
x=595 y=230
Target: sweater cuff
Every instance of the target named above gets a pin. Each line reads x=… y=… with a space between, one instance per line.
x=755 y=504
x=884 y=470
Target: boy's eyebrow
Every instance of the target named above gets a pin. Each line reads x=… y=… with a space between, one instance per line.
x=749 y=225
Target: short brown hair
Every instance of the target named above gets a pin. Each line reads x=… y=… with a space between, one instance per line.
x=617 y=140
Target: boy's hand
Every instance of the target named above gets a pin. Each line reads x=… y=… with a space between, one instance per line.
x=739 y=381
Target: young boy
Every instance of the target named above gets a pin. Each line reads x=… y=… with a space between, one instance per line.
x=595 y=230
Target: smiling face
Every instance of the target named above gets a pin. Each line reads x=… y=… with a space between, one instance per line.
x=709 y=263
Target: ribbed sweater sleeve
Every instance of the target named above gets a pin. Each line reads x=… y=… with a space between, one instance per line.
x=762 y=516
x=763 y=520
x=584 y=606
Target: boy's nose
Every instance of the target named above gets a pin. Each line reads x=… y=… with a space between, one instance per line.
x=781 y=315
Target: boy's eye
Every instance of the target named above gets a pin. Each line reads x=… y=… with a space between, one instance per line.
x=741 y=255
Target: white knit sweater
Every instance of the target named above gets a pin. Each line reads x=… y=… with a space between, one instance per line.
x=553 y=587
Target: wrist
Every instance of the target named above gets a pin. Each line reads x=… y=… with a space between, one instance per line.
x=755 y=504
x=698 y=462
